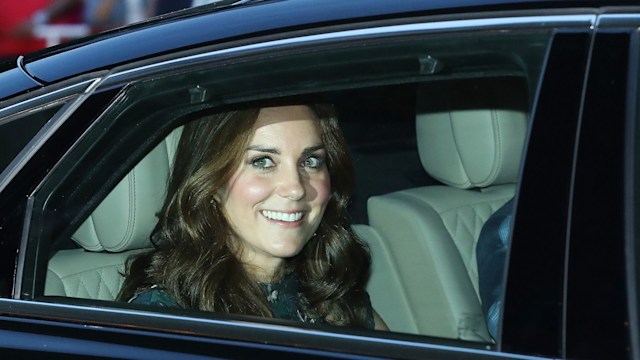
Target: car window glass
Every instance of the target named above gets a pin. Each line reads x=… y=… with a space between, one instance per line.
x=435 y=125
x=17 y=130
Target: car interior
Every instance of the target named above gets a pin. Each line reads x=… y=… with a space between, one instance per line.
x=429 y=174
x=436 y=141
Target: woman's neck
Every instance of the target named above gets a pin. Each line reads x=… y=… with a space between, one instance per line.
x=264 y=269
x=265 y=274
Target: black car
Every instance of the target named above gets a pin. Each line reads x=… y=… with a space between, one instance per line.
x=450 y=108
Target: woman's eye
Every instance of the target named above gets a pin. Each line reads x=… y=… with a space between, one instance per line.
x=262 y=163
x=312 y=162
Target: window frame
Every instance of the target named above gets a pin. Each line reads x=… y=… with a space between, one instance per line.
x=603 y=249
x=18 y=180
x=66 y=97
x=536 y=272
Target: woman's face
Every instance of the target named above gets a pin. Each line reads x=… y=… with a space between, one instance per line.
x=276 y=199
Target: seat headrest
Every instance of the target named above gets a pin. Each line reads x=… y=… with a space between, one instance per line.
x=125 y=218
x=470 y=133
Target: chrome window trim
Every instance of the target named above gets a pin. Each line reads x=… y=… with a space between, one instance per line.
x=49 y=128
x=618 y=20
x=17 y=281
x=587 y=21
x=48 y=97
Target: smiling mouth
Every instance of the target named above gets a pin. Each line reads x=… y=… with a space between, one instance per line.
x=281 y=216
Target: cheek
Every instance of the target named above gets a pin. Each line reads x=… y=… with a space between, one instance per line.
x=257 y=189
x=249 y=190
x=322 y=187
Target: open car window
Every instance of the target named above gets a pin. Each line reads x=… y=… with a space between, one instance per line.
x=436 y=125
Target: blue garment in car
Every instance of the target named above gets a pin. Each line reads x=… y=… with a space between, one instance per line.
x=491 y=254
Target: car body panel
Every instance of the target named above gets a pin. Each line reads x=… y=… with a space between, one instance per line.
x=194 y=335
x=271 y=17
x=16 y=81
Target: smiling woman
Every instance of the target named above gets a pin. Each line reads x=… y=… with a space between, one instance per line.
x=255 y=222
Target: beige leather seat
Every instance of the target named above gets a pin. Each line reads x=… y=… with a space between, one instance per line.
x=119 y=227
x=386 y=286
x=423 y=240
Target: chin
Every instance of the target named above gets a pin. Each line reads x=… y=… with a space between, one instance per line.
x=287 y=252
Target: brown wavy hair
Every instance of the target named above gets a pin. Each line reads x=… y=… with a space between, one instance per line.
x=192 y=257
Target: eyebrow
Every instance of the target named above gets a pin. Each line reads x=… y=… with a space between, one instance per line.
x=306 y=151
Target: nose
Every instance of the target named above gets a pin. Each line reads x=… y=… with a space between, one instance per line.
x=291 y=185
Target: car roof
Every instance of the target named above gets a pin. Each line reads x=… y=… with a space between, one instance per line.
x=226 y=21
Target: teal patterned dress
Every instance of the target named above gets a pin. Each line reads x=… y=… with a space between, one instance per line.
x=286 y=301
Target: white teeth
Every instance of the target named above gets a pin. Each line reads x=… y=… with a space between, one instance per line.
x=280 y=216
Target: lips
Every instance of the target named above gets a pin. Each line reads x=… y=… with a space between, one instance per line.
x=282 y=216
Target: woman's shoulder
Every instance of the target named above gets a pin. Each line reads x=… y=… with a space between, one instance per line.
x=154 y=296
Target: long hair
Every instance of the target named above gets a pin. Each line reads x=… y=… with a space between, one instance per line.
x=193 y=259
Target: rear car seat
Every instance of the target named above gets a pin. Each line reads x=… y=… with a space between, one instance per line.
x=119 y=227
x=470 y=137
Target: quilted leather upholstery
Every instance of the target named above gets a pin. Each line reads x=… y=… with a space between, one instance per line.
x=92 y=276
x=430 y=233
x=119 y=227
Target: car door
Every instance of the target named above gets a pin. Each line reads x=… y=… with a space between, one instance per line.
x=371 y=72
